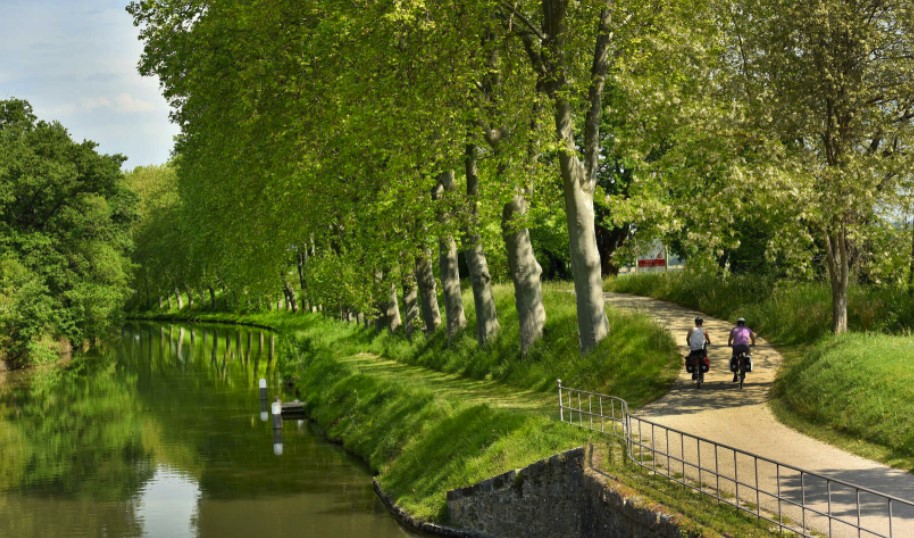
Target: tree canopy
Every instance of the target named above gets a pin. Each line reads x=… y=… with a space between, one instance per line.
x=330 y=151
x=65 y=217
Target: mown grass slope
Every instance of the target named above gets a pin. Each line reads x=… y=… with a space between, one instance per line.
x=637 y=361
x=861 y=384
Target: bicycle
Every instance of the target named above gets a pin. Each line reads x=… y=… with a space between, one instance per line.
x=743 y=365
x=696 y=365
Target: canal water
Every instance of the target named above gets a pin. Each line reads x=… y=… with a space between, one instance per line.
x=160 y=434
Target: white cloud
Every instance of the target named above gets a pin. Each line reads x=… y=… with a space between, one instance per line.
x=89 y=104
x=52 y=112
x=128 y=103
x=122 y=102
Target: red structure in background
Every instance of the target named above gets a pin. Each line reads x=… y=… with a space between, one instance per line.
x=657 y=262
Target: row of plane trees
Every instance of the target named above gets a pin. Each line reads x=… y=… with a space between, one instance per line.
x=344 y=152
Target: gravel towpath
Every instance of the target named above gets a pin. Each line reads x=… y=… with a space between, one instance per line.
x=722 y=413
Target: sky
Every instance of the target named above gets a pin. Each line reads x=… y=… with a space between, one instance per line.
x=75 y=61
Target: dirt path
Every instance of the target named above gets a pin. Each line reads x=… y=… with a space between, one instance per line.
x=722 y=413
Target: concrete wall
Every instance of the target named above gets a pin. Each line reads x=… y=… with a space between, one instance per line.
x=557 y=497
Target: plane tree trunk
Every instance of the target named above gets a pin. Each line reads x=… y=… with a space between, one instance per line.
x=525 y=273
x=487 y=325
x=410 y=303
x=837 y=256
x=289 y=293
x=578 y=172
x=447 y=259
x=428 y=292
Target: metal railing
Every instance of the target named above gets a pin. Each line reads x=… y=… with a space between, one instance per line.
x=583 y=407
x=788 y=497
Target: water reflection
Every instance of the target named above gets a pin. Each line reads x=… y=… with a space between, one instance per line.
x=277 y=442
x=168 y=504
x=160 y=434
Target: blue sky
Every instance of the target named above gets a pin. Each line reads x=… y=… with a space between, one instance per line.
x=75 y=62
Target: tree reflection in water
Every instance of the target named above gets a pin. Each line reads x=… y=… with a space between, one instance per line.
x=160 y=431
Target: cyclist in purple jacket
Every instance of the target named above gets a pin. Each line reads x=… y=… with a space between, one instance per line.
x=739 y=339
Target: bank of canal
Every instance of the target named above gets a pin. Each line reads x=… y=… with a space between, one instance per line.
x=160 y=434
x=424 y=432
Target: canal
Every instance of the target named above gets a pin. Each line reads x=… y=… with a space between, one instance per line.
x=160 y=434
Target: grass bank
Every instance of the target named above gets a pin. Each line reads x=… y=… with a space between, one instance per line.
x=855 y=391
x=431 y=415
x=637 y=361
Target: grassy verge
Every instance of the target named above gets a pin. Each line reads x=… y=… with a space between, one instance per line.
x=637 y=361
x=855 y=391
x=859 y=390
x=702 y=511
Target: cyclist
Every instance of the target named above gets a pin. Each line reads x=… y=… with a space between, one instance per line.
x=698 y=342
x=739 y=339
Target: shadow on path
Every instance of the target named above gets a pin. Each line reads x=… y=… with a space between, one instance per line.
x=724 y=414
x=718 y=390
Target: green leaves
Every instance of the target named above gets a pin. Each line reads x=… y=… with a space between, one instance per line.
x=64 y=219
x=727 y=126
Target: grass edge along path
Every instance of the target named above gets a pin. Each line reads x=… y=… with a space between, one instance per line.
x=423 y=432
x=854 y=391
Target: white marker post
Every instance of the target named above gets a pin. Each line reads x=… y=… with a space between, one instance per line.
x=263 y=400
x=277 y=442
x=277 y=414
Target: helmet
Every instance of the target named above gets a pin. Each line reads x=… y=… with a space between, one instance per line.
x=699 y=321
x=741 y=321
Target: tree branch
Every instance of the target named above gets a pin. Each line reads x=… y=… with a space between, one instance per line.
x=595 y=93
x=536 y=31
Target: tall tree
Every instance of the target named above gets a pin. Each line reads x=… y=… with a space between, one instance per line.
x=833 y=82
x=552 y=49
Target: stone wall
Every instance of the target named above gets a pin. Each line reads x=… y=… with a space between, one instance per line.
x=561 y=496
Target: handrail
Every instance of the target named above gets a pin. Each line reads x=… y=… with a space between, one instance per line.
x=745 y=492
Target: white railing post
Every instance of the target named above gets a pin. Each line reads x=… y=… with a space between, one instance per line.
x=561 y=408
